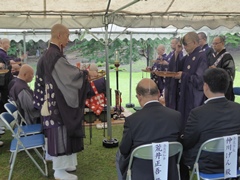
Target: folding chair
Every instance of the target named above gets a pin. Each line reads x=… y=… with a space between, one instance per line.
x=24 y=143
x=236 y=91
x=11 y=108
x=26 y=129
x=145 y=152
x=215 y=145
x=12 y=102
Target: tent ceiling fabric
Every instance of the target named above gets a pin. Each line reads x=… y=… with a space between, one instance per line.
x=114 y=32
x=39 y=14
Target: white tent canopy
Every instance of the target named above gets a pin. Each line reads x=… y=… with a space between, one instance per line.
x=41 y=14
x=115 y=32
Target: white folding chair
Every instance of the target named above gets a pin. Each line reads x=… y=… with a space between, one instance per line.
x=24 y=143
x=26 y=129
x=214 y=145
x=145 y=152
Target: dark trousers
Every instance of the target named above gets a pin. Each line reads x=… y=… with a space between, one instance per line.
x=184 y=171
x=3 y=99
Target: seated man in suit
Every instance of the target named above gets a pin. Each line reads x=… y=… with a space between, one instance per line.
x=153 y=123
x=21 y=93
x=217 y=117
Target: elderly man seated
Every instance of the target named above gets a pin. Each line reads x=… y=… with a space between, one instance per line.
x=21 y=93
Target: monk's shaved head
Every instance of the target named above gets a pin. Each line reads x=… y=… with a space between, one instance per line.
x=60 y=35
x=26 y=73
x=58 y=29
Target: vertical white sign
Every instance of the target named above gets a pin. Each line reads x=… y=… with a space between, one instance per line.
x=230 y=156
x=160 y=160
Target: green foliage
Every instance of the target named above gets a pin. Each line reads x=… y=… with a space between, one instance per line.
x=16 y=48
x=111 y=66
x=233 y=39
x=99 y=64
x=122 y=69
x=92 y=50
x=32 y=47
x=95 y=50
x=13 y=50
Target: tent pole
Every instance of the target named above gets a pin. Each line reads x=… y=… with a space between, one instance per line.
x=24 y=46
x=130 y=105
x=109 y=142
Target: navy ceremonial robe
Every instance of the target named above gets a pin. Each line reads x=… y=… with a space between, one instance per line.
x=191 y=89
x=159 y=67
x=172 y=85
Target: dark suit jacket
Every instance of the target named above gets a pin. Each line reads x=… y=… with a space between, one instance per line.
x=219 y=117
x=153 y=123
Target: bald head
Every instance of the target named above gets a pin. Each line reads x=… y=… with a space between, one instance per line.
x=26 y=73
x=5 y=44
x=147 y=90
x=58 y=29
x=60 y=35
x=190 y=41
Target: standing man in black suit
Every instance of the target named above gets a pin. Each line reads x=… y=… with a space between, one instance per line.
x=217 y=117
x=153 y=123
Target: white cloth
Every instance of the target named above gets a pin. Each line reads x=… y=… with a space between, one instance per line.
x=63 y=162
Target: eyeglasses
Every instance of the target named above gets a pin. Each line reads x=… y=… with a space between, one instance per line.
x=216 y=43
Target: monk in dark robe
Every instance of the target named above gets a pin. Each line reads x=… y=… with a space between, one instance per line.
x=160 y=64
x=223 y=59
x=65 y=90
x=22 y=95
x=190 y=74
x=172 y=84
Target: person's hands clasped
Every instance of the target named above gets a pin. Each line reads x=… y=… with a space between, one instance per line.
x=179 y=75
x=212 y=66
x=163 y=62
x=2 y=65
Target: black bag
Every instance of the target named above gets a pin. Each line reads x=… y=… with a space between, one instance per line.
x=5 y=78
x=2 y=79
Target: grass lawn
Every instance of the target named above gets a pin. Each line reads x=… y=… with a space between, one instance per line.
x=94 y=163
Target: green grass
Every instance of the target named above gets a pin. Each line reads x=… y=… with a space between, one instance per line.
x=94 y=163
